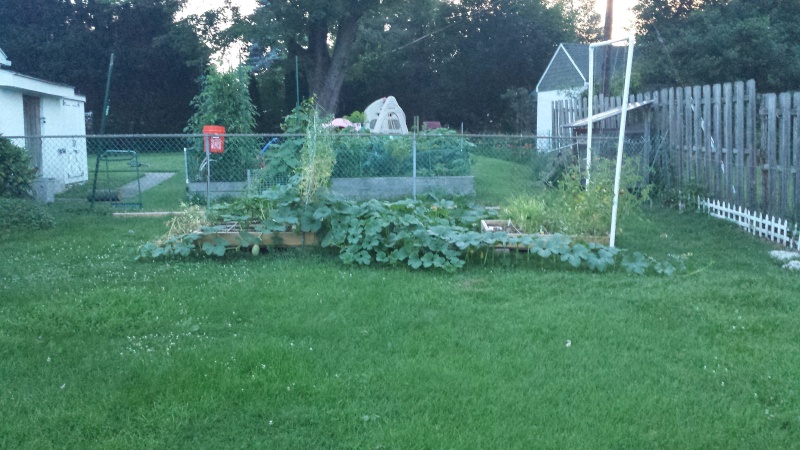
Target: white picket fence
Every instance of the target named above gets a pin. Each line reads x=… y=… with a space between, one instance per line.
x=762 y=225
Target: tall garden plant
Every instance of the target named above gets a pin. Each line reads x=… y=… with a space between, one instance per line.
x=225 y=100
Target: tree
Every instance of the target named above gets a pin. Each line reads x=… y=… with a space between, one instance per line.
x=442 y=60
x=71 y=41
x=59 y=41
x=714 y=41
x=321 y=33
x=156 y=62
x=495 y=46
x=453 y=62
x=585 y=19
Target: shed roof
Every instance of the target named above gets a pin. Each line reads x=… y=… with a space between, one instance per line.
x=27 y=84
x=4 y=59
x=569 y=66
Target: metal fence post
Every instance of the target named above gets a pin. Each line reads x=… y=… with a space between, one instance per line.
x=414 y=165
x=208 y=175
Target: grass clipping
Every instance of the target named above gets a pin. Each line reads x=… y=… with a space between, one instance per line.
x=317 y=160
x=190 y=221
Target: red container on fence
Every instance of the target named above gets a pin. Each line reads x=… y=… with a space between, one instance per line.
x=214 y=138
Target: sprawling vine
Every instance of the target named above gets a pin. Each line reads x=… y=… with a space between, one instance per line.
x=440 y=234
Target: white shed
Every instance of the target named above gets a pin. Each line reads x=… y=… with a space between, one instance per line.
x=31 y=110
x=566 y=77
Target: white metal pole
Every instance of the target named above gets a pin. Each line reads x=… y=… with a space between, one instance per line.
x=590 y=117
x=414 y=165
x=621 y=142
x=207 y=145
x=186 y=167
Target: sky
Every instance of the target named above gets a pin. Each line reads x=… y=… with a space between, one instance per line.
x=623 y=16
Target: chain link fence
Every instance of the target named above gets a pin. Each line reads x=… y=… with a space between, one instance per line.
x=160 y=172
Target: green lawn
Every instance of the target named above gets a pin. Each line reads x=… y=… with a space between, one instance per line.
x=497 y=180
x=164 y=197
x=296 y=350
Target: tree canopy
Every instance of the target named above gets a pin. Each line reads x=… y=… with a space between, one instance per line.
x=695 y=41
x=466 y=62
x=443 y=61
x=157 y=60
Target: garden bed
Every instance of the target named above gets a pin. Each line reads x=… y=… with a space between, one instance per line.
x=233 y=237
x=509 y=227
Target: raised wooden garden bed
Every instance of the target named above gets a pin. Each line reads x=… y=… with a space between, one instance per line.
x=233 y=238
x=512 y=230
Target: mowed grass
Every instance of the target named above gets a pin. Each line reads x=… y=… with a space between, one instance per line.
x=296 y=350
x=118 y=172
x=497 y=180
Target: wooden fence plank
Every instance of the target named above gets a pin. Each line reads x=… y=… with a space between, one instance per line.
x=770 y=131
x=739 y=129
x=750 y=143
x=697 y=138
x=784 y=153
x=663 y=130
x=676 y=130
x=716 y=135
x=688 y=135
x=796 y=157
x=727 y=168
x=708 y=146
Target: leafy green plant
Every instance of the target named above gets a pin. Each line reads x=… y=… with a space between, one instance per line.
x=316 y=161
x=284 y=158
x=16 y=172
x=225 y=100
x=24 y=213
x=434 y=234
x=356 y=117
x=440 y=152
x=576 y=207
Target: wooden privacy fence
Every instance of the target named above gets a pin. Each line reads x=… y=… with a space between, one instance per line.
x=722 y=140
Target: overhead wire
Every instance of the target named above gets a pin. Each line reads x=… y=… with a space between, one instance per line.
x=482 y=9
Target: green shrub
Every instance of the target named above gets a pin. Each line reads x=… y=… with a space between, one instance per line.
x=16 y=172
x=225 y=100
x=440 y=152
x=24 y=213
x=575 y=208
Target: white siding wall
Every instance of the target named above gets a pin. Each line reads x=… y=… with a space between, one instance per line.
x=544 y=112
x=12 y=122
x=544 y=116
x=64 y=158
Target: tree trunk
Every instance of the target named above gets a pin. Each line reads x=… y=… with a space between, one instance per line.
x=326 y=70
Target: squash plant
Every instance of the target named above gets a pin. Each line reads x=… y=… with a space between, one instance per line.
x=420 y=234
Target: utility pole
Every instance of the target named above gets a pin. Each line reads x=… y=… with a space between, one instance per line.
x=105 y=98
x=609 y=23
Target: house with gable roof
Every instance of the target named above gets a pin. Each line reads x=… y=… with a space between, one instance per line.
x=567 y=77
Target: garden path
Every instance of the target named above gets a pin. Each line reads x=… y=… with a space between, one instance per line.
x=149 y=180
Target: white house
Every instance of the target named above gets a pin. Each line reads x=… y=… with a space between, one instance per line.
x=566 y=77
x=31 y=110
